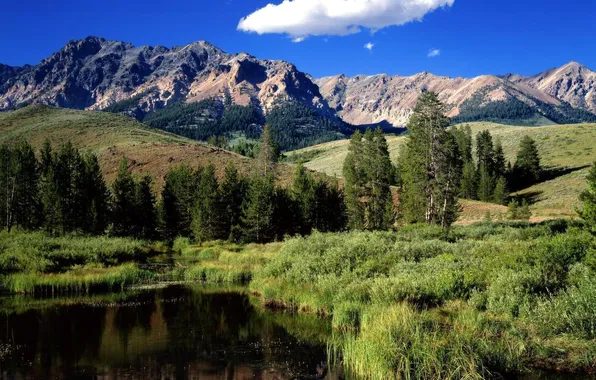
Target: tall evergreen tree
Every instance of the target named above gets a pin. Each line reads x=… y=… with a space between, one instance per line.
x=178 y=200
x=233 y=190
x=588 y=198
x=124 y=202
x=268 y=152
x=527 y=169
x=430 y=166
x=97 y=197
x=208 y=211
x=285 y=210
x=354 y=178
x=500 y=161
x=463 y=137
x=469 y=181
x=304 y=194
x=485 y=152
x=145 y=210
x=69 y=182
x=330 y=212
x=486 y=184
x=50 y=201
x=501 y=193
x=378 y=173
x=6 y=185
x=258 y=213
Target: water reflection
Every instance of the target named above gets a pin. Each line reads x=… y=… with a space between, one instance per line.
x=176 y=332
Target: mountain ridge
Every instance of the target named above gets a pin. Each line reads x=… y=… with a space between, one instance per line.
x=95 y=73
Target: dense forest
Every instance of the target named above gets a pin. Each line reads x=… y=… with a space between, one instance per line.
x=294 y=124
x=511 y=110
x=62 y=191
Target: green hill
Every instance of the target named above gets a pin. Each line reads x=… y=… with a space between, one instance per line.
x=566 y=151
x=112 y=137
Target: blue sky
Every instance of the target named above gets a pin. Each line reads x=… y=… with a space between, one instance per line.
x=472 y=37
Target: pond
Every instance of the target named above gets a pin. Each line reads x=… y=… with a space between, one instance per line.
x=176 y=332
x=173 y=332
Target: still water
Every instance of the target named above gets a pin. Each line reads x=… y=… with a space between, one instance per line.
x=177 y=332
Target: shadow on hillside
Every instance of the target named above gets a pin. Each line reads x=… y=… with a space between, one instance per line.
x=548 y=174
x=531 y=197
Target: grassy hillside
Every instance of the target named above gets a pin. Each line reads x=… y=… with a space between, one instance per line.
x=566 y=149
x=112 y=137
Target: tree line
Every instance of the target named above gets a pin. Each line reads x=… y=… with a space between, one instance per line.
x=63 y=191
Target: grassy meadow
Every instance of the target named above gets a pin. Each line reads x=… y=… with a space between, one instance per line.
x=566 y=151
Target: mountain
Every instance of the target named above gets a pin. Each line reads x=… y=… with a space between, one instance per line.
x=93 y=73
x=564 y=96
x=198 y=90
x=573 y=83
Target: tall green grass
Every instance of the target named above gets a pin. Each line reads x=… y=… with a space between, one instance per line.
x=79 y=281
x=39 y=252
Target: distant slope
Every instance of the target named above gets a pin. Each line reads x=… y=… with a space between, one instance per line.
x=568 y=148
x=113 y=136
x=564 y=95
x=573 y=83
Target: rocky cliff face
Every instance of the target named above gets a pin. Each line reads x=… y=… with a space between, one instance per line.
x=373 y=99
x=573 y=83
x=93 y=73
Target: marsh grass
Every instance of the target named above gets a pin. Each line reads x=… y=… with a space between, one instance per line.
x=79 y=281
x=220 y=262
x=41 y=253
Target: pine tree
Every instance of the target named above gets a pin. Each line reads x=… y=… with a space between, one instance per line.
x=69 y=182
x=285 y=209
x=330 y=213
x=469 y=181
x=501 y=193
x=588 y=198
x=485 y=152
x=25 y=204
x=513 y=210
x=97 y=197
x=124 y=202
x=6 y=185
x=268 y=152
x=486 y=184
x=527 y=167
x=207 y=211
x=377 y=169
x=354 y=178
x=178 y=196
x=258 y=213
x=524 y=211
x=233 y=190
x=499 y=161
x=304 y=194
x=463 y=137
x=430 y=166
x=145 y=210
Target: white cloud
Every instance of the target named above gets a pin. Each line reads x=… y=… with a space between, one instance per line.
x=434 y=53
x=298 y=39
x=303 y=18
x=369 y=46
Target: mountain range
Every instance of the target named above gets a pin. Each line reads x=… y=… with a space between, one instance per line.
x=94 y=73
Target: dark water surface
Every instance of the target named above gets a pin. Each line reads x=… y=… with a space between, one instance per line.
x=178 y=332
